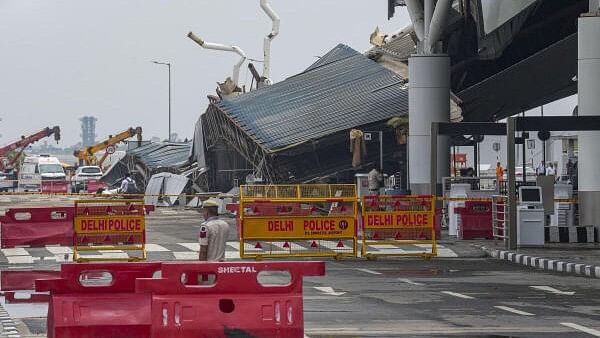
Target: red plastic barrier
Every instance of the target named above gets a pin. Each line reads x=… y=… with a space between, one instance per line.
x=235 y=305
x=55 y=186
x=24 y=280
x=475 y=220
x=9 y=298
x=37 y=227
x=103 y=308
x=183 y=302
x=93 y=185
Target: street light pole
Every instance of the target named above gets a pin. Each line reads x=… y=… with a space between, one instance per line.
x=169 y=67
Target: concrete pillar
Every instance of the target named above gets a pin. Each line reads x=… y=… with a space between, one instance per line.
x=588 y=84
x=428 y=101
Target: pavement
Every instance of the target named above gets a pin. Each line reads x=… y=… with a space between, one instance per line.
x=464 y=293
x=581 y=259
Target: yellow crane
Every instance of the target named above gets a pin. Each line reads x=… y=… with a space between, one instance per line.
x=88 y=155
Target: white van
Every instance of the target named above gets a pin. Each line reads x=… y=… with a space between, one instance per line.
x=42 y=173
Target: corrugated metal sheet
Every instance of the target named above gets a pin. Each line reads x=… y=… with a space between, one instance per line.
x=342 y=90
x=401 y=47
x=163 y=154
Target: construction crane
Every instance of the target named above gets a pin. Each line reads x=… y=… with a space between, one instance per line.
x=22 y=144
x=88 y=155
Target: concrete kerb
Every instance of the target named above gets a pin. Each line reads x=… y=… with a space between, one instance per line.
x=547 y=264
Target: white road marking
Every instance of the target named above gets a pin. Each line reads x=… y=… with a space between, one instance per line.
x=369 y=271
x=59 y=250
x=328 y=290
x=582 y=328
x=21 y=259
x=186 y=255
x=191 y=246
x=552 y=290
x=408 y=281
x=234 y=244
x=15 y=252
x=155 y=248
x=513 y=310
x=459 y=295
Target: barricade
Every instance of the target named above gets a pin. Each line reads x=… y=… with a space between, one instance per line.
x=313 y=220
x=98 y=300
x=229 y=301
x=200 y=299
x=109 y=225
x=475 y=220
x=15 y=280
x=399 y=221
x=37 y=227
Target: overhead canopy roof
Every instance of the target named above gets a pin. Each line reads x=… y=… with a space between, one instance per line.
x=342 y=90
x=163 y=154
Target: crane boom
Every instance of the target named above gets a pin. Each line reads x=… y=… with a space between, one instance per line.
x=88 y=155
x=24 y=142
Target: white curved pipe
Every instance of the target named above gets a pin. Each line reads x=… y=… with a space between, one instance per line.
x=218 y=46
x=437 y=25
x=266 y=7
x=416 y=13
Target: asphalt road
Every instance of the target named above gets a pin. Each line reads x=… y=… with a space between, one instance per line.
x=442 y=297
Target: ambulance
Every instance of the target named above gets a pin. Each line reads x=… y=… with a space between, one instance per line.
x=42 y=173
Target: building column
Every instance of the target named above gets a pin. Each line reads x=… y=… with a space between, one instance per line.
x=428 y=101
x=588 y=84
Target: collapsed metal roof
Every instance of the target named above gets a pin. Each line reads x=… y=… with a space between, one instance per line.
x=342 y=90
x=163 y=154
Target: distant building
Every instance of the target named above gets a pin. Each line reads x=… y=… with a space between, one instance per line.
x=88 y=130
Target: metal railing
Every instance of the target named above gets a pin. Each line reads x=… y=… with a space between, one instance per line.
x=499 y=217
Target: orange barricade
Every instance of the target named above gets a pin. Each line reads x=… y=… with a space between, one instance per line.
x=399 y=221
x=313 y=220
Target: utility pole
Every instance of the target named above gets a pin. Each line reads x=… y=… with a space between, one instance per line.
x=169 y=67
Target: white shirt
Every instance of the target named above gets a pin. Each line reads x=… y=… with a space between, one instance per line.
x=125 y=184
x=550 y=171
x=215 y=237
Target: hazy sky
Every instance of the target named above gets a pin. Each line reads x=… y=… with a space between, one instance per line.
x=62 y=59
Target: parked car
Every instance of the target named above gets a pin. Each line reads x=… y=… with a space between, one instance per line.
x=83 y=176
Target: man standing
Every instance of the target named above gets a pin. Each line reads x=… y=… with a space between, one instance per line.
x=128 y=185
x=541 y=169
x=374 y=179
x=213 y=233
x=499 y=175
x=550 y=170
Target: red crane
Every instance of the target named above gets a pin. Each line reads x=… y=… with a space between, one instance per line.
x=25 y=141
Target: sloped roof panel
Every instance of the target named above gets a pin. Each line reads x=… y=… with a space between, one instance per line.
x=342 y=90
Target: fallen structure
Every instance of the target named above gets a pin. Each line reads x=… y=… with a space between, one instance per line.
x=297 y=130
x=155 y=158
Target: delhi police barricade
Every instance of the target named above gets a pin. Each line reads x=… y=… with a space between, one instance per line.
x=312 y=220
x=406 y=221
x=199 y=299
x=109 y=224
